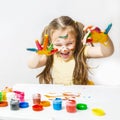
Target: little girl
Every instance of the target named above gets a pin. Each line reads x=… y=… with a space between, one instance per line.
x=69 y=65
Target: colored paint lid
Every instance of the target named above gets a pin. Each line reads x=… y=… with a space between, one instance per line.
x=98 y=112
x=3 y=103
x=45 y=103
x=37 y=107
x=23 y=104
x=81 y=106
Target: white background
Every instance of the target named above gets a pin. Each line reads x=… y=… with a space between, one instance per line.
x=22 y=21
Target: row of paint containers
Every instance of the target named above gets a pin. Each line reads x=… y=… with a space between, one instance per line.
x=71 y=105
x=7 y=96
x=16 y=101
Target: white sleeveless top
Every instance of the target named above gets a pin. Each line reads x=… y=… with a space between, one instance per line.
x=62 y=71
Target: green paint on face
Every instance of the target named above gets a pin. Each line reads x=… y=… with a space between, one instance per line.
x=64 y=37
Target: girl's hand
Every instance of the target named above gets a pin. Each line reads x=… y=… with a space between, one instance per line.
x=95 y=35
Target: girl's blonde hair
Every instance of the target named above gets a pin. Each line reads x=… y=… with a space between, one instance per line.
x=80 y=73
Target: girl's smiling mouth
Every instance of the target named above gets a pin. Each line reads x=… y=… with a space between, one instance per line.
x=64 y=55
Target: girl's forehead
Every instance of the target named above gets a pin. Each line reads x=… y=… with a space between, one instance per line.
x=63 y=34
x=64 y=30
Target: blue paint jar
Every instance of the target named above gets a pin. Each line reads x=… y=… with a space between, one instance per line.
x=57 y=104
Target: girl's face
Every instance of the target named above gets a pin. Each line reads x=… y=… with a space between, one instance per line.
x=65 y=42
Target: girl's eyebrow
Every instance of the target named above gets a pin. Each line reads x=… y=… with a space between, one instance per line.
x=57 y=43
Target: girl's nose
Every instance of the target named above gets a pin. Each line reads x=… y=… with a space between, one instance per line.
x=64 y=49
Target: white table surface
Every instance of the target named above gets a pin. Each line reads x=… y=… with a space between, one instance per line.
x=104 y=97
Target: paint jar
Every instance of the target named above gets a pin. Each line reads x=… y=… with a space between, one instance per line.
x=57 y=104
x=4 y=95
x=1 y=98
x=14 y=104
x=36 y=98
x=71 y=106
x=19 y=95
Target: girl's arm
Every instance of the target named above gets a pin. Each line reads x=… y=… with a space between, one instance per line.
x=36 y=61
x=100 y=50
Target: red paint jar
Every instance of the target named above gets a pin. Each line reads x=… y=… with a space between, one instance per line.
x=71 y=106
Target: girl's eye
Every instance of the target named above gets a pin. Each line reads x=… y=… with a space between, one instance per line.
x=69 y=44
x=58 y=45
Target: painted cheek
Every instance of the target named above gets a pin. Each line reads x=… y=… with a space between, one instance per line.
x=55 y=47
x=59 y=48
x=71 y=48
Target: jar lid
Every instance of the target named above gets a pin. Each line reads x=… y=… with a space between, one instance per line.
x=45 y=103
x=23 y=104
x=3 y=103
x=98 y=112
x=37 y=107
x=81 y=106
